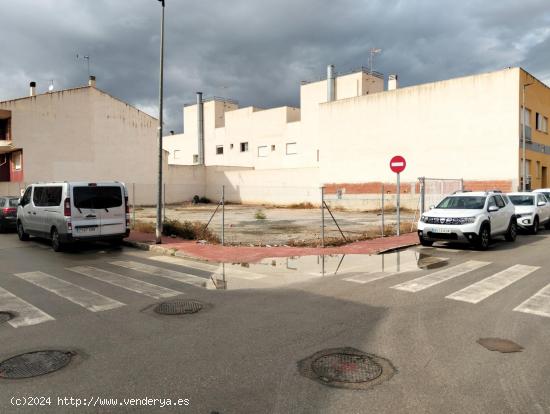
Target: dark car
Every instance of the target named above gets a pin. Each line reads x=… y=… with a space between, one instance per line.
x=8 y=213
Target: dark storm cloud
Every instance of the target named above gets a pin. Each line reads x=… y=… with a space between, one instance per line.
x=258 y=51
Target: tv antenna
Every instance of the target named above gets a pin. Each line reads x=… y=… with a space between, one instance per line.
x=87 y=59
x=372 y=52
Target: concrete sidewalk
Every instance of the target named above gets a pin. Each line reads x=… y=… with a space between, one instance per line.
x=218 y=253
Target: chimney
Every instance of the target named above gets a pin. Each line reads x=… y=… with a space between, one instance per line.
x=331 y=84
x=393 y=82
x=200 y=127
x=32 y=86
x=91 y=81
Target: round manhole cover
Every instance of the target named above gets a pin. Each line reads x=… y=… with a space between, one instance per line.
x=33 y=364
x=178 y=307
x=346 y=368
x=5 y=316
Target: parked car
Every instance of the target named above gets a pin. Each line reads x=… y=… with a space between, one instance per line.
x=73 y=211
x=532 y=210
x=470 y=217
x=8 y=212
x=545 y=191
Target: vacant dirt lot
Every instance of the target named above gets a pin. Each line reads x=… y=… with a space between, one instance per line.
x=258 y=225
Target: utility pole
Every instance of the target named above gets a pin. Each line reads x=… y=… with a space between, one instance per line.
x=158 y=230
x=524 y=164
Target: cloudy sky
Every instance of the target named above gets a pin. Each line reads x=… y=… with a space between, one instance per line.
x=258 y=51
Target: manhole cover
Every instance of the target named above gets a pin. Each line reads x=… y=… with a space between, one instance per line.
x=501 y=345
x=33 y=364
x=178 y=307
x=5 y=316
x=346 y=368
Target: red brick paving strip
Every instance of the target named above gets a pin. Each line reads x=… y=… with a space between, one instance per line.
x=241 y=254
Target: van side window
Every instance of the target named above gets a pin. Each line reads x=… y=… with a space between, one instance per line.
x=26 y=197
x=38 y=196
x=52 y=196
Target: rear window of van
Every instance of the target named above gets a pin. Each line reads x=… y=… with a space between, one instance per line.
x=97 y=197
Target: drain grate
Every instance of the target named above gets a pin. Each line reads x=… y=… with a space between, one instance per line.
x=34 y=364
x=178 y=307
x=504 y=346
x=346 y=368
x=5 y=316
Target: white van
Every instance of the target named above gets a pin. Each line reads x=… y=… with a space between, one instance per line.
x=72 y=211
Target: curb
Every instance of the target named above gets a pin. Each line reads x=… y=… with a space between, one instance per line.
x=393 y=249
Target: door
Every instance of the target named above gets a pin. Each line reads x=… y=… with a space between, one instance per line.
x=85 y=217
x=113 y=212
x=36 y=215
x=497 y=217
x=544 y=178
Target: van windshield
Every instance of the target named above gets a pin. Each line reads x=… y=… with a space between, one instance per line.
x=463 y=202
x=97 y=197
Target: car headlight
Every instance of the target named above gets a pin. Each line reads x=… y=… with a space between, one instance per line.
x=423 y=219
x=468 y=220
x=523 y=215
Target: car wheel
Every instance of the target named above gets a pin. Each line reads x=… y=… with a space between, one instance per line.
x=21 y=232
x=484 y=238
x=512 y=232
x=425 y=242
x=57 y=246
x=535 y=226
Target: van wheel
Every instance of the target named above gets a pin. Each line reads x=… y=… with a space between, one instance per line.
x=116 y=242
x=57 y=246
x=512 y=232
x=484 y=238
x=21 y=232
x=535 y=226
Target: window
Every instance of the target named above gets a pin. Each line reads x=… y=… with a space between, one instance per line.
x=17 y=161
x=463 y=202
x=527 y=117
x=37 y=195
x=26 y=197
x=13 y=202
x=230 y=146
x=244 y=146
x=500 y=201
x=177 y=154
x=273 y=148
x=97 y=197
x=262 y=151
x=541 y=123
x=291 y=148
x=195 y=158
x=219 y=149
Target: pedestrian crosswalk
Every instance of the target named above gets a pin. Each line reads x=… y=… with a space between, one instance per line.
x=146 y=276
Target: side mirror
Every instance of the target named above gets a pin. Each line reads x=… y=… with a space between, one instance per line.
x=492 y=209
x=431 y=207
x=541 y=203
x=19 y=202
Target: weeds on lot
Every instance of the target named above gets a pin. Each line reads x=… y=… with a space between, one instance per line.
x=259 y=215
x=144 y=227
x=306 y=205
x=189 y=230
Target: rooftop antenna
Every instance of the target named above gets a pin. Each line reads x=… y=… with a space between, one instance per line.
x=87 y=59
x=372 y=52
x=50 y=88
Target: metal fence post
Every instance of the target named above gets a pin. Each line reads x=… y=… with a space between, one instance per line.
x=164 y=202
x=462 y=184
x=422 y=194
x=223 y=215
x=382 y=209
x=322 y=216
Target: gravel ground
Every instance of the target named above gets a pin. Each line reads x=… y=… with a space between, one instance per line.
x=280 y=225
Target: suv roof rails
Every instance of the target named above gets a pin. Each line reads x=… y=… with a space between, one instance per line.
x=462 y=191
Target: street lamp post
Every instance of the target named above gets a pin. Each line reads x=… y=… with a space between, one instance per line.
x=158 y=230
x=524 y=164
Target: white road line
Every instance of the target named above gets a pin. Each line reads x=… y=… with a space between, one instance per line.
x=440 y=276
x=159 y=271
x=393 y=270
x=86 y=298
x=26 y=314
x=538 y=304
x=484 y=288
x=125 y=282
x=216 y=269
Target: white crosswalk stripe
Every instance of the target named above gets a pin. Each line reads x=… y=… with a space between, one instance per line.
x=538 y=304
x=86 y=298
x=161 y=272
x=484 y=288
x=216 y=269
x=440 y=276
x=26 y=314
x=125 y=282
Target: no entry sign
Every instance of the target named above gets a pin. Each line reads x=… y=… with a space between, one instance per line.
x=398 y=164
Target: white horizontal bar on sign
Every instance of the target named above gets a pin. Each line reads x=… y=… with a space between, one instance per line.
x=86 y=298
x=397 y=164
x=161 y=272
x=441 y=276
x=126 y=282
x=484 y=288
x=25 y=313
x=538 y=304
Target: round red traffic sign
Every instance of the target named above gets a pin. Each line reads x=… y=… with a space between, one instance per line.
x=398 y=164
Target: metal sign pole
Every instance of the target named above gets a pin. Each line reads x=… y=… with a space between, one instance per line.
x=223 y=215
x=323 y=218
x=398 y=204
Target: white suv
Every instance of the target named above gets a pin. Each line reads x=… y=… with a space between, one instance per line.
x=472 y=217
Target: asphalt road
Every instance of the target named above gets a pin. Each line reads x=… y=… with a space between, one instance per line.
x=240 y=354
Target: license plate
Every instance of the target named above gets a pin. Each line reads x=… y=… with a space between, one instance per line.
x=87 y=229
x=440 y=230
